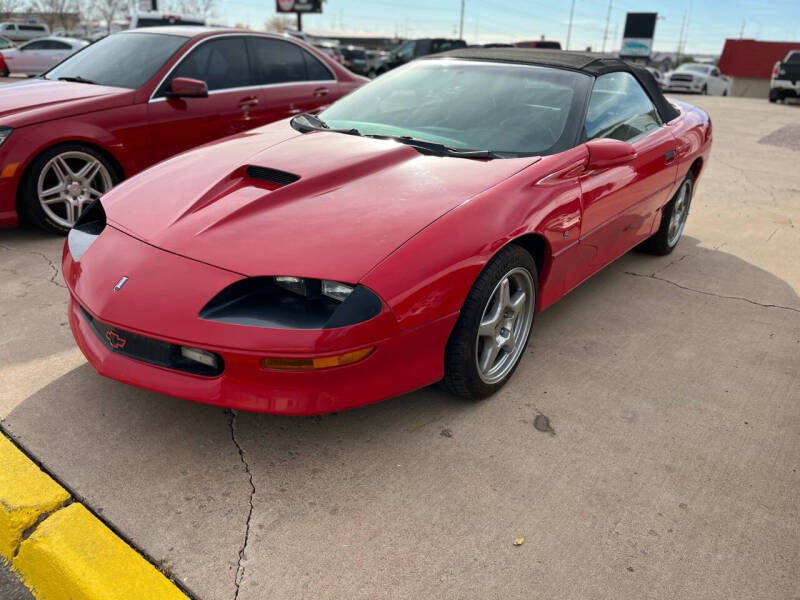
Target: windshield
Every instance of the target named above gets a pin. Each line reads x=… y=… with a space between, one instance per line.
x=694 y=68
x=467 y=105
x=124 y=60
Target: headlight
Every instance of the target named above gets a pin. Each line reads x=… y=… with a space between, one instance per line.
x=4 y=133
x=288 y=302
x=87 y=228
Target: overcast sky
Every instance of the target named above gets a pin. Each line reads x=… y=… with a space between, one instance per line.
x=710 y=21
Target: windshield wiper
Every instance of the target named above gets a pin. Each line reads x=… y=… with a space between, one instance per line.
x=308 y=122
x=436 y=148
x=78 y=79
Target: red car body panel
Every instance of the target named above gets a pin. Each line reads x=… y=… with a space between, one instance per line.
x=416 y=230
x=136 y=131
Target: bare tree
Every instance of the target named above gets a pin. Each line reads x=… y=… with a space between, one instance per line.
x=8 y=7
x=279 y=23
x=107 y=10
x=56 y=13
x=198 y=8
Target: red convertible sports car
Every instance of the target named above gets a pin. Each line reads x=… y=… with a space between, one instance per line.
x=407 y=234
x=138 y=97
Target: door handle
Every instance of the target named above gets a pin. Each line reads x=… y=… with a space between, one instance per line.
x=248 y=102
x=294 y=111
x=669 y=157
x=323 y=91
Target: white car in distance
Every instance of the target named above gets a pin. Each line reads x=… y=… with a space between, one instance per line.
x=39 y=55
x=699 y=78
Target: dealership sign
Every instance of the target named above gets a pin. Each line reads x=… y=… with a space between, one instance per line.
x=637 y=39
x=636 y=47
x=298 y=6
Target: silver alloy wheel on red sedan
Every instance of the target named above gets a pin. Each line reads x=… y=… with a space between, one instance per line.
x=68 y=183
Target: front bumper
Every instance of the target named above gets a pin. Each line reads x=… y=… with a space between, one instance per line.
x=405 y=362
x=161 y=300
x=683 y=86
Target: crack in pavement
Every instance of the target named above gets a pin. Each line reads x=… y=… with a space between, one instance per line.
x=239 y=568
x=50 y=263
x=707 y=293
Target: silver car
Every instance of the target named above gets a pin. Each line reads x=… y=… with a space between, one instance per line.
x=39 y=55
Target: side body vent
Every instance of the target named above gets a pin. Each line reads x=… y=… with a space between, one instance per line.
x=280 y=178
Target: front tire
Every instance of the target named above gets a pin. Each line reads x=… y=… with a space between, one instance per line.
x=63 y=181
x=704 y=91
x=673 y=220
x=493 y=329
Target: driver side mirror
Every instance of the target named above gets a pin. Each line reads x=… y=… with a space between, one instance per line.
x=186 y=87
x=605 y=152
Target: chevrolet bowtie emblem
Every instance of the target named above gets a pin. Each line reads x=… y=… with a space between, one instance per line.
x=120 y=283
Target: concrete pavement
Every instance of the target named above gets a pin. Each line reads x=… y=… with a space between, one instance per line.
x=671 y=385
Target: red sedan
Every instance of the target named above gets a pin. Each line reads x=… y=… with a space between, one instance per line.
x=138 y=97
x=407 y=234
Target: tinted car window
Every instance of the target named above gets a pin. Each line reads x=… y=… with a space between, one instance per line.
x=222 y=63
x=315 y=70
x=37 y=45
x=55 y=45
x=619 y=109
x=31 y=28
x=469 y=105
x=406 y=51
x=276 y=61
x=125 y=60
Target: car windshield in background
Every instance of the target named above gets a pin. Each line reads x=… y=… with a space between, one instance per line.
x=124 y=60
x=704 y=69
x=506 y=109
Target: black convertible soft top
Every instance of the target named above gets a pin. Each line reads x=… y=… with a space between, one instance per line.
x=588 y=63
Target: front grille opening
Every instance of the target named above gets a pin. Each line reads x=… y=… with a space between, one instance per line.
x=275 y=176
x=149 y=350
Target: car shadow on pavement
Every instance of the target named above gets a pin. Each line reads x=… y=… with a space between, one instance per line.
x=175 y=477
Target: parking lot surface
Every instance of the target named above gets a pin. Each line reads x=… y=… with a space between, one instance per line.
x=647 y=446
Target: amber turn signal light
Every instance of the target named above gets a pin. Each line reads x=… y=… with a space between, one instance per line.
x=314 y=364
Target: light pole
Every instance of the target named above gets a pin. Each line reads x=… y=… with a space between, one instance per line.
x=569 y=27
x=461 y=24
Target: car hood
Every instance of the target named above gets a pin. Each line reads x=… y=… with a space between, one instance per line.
x=36 y=100
x=356 y=201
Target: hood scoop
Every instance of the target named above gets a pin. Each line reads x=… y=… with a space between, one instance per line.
x=275 y=176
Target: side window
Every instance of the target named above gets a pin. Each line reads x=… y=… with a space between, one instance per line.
x=37 y=45
x=715 y=72
x=406 y=51
x=8 y=27
x=619 y=109
x=221 y=63
x=442 y=46
x=56 y=45
x=276 y=61
x=315 y=69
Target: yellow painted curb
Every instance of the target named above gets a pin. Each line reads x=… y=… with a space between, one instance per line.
x=26 y=493
x=68 y=553
x=72 y=555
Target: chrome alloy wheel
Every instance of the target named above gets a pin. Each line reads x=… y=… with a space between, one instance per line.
x=505 y=325
x=68 y=183
x=680 y=210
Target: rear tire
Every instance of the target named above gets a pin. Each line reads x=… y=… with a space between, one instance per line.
x=55 y=189
x=670 y=230
x=493 y=329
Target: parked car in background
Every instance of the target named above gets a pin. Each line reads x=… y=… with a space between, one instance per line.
x=547 y=44
x=330 y=49
x=138 y=97
x=785 y=81
x=412 y=49
x=697 y=77
x=355 y=59
x=6 y=43
x=22 y=32
x=657 y=75
x=157 y=19
x=39 y=55
x=374 y=59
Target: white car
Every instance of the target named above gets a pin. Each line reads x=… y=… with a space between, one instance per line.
x=39 y=55
x=697 y=77
x=21 y=32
